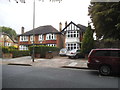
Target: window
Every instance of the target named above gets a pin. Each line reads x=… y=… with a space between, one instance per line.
x=115 y=53
x=72 y=34
x=54 y=45
x=102 y=53
x=41 y=38
x=23 y=38
x=31 y=38
x=23 y=47
x=71 y=46
x=50 y=37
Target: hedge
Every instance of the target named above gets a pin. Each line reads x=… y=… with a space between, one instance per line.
x=18 y=53
x=15 y=52
x=42 y=49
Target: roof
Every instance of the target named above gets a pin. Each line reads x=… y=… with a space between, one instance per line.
x=82 y=27
x=42 y=30
x=3 y=33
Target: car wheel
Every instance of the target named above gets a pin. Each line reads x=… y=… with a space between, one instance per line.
x=76 y=56
x=69 y=57
x=105 y=70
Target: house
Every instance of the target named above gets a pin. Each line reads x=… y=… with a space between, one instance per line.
x=73 y=35
x=6 y=40
x=43 y=35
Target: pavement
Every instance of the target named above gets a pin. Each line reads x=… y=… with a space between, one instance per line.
x=56 y=62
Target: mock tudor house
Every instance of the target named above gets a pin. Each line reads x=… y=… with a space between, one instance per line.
x=43 y=35
x=73 y=35
x=6 y=40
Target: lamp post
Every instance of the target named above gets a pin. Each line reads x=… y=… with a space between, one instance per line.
x=33 y=53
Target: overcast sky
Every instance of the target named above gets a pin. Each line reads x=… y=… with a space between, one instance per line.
x=16 y=15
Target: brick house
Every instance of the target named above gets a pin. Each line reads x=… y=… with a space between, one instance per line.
x=73 y=35
x=43 y=35
x=6 y=40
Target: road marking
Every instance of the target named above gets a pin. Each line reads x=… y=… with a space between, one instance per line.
x=73 y=64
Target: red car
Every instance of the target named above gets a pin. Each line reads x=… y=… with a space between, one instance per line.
x=104 y=60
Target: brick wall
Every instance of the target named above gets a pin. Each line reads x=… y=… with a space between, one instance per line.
x=58 y=42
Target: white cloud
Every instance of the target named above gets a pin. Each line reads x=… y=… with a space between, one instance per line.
x=16 y=15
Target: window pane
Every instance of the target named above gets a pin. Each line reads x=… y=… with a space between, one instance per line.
x=115 y=53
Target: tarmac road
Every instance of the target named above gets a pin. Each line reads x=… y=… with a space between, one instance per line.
x=43 y=77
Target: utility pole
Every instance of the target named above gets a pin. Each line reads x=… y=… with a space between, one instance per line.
x=33 y=53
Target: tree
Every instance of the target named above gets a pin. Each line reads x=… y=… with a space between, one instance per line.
x=88 y=41
x=9 y=31
x=106 y=19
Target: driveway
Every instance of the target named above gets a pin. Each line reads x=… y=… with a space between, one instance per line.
x=42 y=62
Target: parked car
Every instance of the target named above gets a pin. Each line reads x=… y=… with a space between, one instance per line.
x=106 y=61
x=75 y=53
x=63 y=52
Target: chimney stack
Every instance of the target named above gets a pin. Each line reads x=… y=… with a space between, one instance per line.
x=22 y=30
x=60 y=26
x=65 y=23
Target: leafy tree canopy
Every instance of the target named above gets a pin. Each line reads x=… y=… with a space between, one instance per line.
x=88 y=41
x=106 y=19
x=9 y=31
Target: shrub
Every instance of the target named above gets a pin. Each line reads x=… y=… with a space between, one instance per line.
x=15 y=52
x=42 y=49
x=5 y=50
x=18 y=53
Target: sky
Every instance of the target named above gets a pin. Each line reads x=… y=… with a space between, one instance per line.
x=15 y=15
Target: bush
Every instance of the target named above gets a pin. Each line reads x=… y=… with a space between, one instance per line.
x=5 y=50
x=15 y=52
x=42 y=49
x=18 y=53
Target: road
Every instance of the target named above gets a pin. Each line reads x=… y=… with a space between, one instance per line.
x=43 y=77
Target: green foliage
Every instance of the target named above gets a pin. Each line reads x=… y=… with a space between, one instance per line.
x=42 y=49
x=88 y=41
x=9 y=31
x=5 y=50
x=18 y=53
x=15 y=52
x=106 y=19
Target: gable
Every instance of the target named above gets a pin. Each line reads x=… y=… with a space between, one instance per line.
x=8 y=37
x=72 y=27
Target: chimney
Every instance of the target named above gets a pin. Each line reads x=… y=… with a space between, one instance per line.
x=65 y=23
x=22 y=30
x=60 y=26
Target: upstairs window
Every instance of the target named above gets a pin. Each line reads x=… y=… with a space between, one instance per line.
x=23 y=38
x=41 y=38
x=50 y=37
x=72 y=34
x=31 y=38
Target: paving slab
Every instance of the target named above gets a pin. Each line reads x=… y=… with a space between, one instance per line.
x=56 y=62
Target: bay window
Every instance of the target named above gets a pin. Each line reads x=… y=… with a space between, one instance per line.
x=71 y=46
